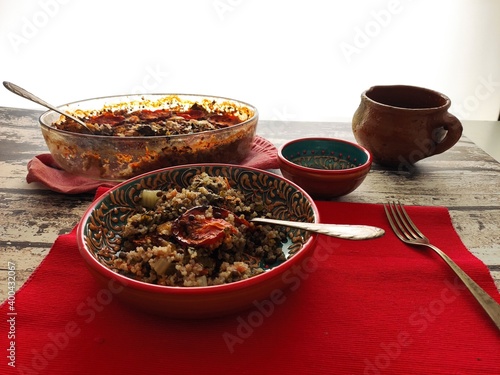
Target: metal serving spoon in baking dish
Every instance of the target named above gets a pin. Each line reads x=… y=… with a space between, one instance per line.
x=27 y=95
x=194 y=228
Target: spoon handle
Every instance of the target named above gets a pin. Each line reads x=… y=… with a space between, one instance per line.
x=28 y=95
x=349 y=232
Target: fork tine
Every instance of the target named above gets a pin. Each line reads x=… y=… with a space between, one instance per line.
x=410 y=226
x=400 y=222
x=389 y=212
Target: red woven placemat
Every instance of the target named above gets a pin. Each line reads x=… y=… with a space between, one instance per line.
x=356 y=307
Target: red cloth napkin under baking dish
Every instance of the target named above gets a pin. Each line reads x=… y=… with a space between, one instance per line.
x=44 y=169
x=358 y=307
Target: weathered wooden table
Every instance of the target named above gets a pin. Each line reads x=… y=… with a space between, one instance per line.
x=465 y=179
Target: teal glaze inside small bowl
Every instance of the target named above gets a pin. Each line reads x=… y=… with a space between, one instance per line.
x=324 y=167
x=326 y=154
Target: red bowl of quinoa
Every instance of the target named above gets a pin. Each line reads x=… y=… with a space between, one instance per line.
x=129 y=240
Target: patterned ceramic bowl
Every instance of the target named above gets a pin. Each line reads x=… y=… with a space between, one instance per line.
x=101 y=229
x=324 y=167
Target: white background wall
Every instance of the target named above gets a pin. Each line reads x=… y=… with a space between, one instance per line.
x=294 y=60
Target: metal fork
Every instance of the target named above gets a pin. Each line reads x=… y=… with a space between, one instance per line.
x=406 y=231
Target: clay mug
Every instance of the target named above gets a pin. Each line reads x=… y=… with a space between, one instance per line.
x=401 y=125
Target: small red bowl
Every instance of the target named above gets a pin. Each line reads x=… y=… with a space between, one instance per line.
x=324 y=167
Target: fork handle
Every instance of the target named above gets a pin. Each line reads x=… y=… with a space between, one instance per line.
x=489 y=305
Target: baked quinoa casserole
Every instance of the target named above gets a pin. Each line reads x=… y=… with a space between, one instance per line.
x=164 y=244
x=151 y=122
x=126 y=136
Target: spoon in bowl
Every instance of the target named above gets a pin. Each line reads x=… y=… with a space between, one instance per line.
x=345 y=231
x=27 y=95
x=194 y=228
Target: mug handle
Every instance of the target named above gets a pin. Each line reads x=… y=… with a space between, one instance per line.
x=454 y=129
